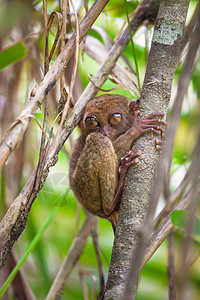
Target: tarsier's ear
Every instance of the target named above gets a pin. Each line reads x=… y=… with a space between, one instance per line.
x=80 y=123
x=134 y=105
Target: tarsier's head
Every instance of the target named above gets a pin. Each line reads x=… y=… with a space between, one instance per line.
x=107 y=114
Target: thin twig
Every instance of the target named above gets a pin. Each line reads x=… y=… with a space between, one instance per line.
x=20 y=285
x=166 y=226
x=171 y=267
x=23 y=39
x=183 y=83
x=189 y=29
x=189 y=227
x=121 y=75
x=46 y=48
x=72 y=257
x=47 y=25
x=69 y=16
x=100 y=265
x=188 y=202
x=63 y=40
x=83 y=273
x=133 y=47
x=59 y=29
x=82 y=283
x=190 y=264
x=46 y=69
x=100 y=89
x=173 y=198
x=75 y=66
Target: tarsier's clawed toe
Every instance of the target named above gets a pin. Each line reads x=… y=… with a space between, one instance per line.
x=156 y=129
x=128 y=159
x=159 y=144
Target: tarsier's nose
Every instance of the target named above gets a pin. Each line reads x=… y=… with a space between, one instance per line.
x=105 y=131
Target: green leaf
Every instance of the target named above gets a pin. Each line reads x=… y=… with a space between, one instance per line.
x=179 y=219
x=12 y=54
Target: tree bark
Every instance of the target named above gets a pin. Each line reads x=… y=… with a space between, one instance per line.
x=126 y=256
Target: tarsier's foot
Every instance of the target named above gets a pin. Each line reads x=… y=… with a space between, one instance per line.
x=128 y=159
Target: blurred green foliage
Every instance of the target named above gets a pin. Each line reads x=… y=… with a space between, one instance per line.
x=43 y=264
x=12 y=54
x=181 y=218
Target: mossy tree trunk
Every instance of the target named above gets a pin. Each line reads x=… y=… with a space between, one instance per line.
x=140 y=180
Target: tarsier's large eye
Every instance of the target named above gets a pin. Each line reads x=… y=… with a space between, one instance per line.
x=115 y=118
x=91 y=123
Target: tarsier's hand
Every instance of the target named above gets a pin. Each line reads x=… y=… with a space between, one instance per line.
x=147 y=124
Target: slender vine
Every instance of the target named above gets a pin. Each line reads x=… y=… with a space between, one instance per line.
x=132 y=44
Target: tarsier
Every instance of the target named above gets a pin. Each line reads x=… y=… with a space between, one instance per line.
x=103 y=152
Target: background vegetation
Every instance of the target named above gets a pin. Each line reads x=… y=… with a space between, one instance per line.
x=22 y=45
